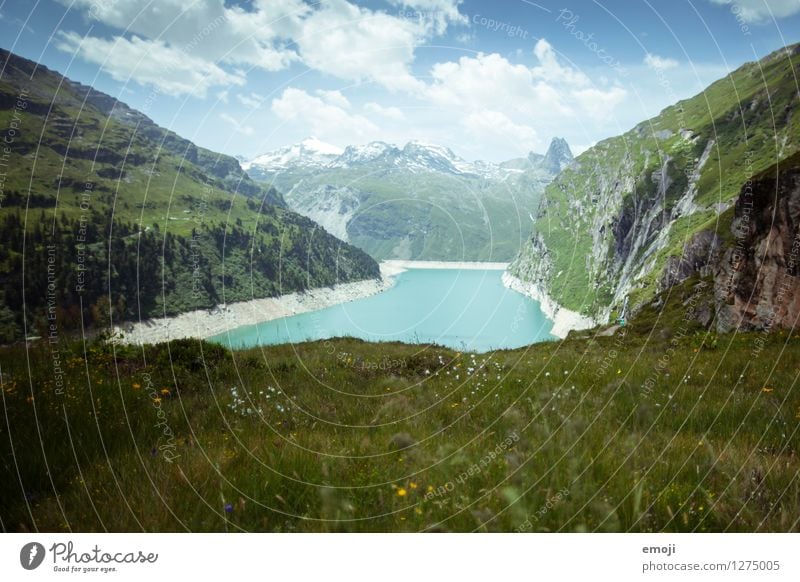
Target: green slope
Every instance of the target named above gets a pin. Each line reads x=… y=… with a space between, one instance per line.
x=408 y=438
x=607 y=226
x=142 y=221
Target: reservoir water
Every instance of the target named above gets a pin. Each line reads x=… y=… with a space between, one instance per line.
x=469 y=310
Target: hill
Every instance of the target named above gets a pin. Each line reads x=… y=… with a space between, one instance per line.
x=105 y=215
x=581 y=435
x=644 y=211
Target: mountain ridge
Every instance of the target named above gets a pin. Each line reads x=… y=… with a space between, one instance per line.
x=314 y=153
x=141 y=222
x=614 y=223
x=420 y=201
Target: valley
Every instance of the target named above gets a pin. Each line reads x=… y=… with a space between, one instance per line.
x=416 y=202
x=383 y=337
x=465 y=309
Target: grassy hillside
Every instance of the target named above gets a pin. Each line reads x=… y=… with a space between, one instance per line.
x=660 y=429
x=115 y=216
x=607 y=226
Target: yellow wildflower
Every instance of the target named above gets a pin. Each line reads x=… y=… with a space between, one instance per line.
x=402 y=492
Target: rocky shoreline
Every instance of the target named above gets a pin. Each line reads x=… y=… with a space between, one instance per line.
x=205 y=323
x=563 y=319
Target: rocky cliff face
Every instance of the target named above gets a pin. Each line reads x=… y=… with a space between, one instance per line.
x=699 y=257
x=756 y=284
x=644 y=211
x=558 y=156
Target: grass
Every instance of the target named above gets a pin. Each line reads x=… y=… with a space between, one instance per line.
x=651 y=431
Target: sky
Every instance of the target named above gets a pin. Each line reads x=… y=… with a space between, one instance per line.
x=490 y=79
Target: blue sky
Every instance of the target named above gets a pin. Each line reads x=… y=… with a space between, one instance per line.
x=490 y=79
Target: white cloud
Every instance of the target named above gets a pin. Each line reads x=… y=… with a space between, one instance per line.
x=207 y=29
x=360 y=45
x=498 y=103
x=335 y=37
x=387 y=112
x=658 y=63
x=540 y=93
x=320 y=117
x=506 y=106
x=436 y=13
x=473 y=82
x=598 y=105
x=237 y=126
x=550 y=70
x=149 y=62
x=333 y=98
x=251 y=100
x=761 y=11
x=495 y=127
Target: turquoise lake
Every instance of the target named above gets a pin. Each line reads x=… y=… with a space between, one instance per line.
x=469 y=310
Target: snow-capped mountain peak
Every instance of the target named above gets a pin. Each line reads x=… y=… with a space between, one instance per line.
x=416 y=157
x=317 y=145
x=425 y=156
x=311 y=152
x=364 y=153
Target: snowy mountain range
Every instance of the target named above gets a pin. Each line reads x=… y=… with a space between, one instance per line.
x=418 y=201
x=415 y=156
x=309 y=153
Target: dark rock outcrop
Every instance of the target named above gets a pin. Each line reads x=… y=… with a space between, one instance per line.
x=699 y=256
x=558 y=156
x=756 y=285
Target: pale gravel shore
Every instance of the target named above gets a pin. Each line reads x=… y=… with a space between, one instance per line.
x=563 y=319
x=205 y=323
